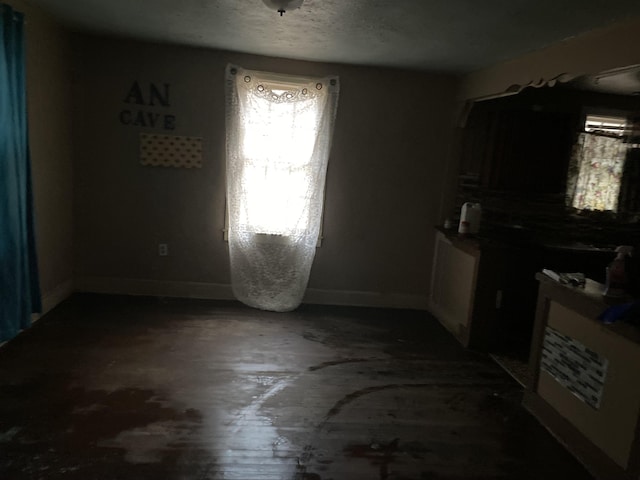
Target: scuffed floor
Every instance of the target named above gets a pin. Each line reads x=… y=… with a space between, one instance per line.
x=125 y=388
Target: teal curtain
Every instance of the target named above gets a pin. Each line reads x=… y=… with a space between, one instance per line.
x=19 y=288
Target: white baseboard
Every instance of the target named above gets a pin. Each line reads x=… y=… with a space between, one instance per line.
x=154 y=288
x=216 y=291
x=52 y=298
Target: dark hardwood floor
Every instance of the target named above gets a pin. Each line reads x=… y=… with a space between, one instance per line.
x=126 y=388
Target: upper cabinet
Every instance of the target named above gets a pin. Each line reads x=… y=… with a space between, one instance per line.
x=518 y=147
x=524 y=143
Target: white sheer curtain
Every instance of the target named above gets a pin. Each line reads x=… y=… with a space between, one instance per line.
x=279 y=131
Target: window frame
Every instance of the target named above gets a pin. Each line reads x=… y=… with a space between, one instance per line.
x=615 y=117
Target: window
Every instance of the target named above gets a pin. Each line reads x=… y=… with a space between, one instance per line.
x=279 y=131
x=597 y=164
x=277 y=148
x=605 y=125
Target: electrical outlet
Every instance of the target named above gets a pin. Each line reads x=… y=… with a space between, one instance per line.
x=163 y=249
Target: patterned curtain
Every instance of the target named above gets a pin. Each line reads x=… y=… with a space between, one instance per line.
x=595 y=172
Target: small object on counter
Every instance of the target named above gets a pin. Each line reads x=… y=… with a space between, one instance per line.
x=551 y=274
x=471 y=213
x=448 y=224
x=617 y=278
x=576 y=279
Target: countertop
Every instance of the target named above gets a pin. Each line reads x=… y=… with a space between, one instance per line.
x=515 y=237
x=589 y=302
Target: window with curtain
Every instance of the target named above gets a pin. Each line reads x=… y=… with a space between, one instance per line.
x=279 y=130
x=19 y=289
x=277 y=146
x=597 y=165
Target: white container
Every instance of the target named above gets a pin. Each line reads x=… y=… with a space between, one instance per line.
x=471 y=213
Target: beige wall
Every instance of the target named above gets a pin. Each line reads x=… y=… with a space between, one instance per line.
x=48 y=91
x=384 y=185
x=602 y=49
x=387 y=179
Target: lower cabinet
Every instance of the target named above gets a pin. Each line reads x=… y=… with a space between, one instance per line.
x=453 y=283
x=585 y=387
x=483 y=292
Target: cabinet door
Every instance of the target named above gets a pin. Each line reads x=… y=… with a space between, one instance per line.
x=452 y=286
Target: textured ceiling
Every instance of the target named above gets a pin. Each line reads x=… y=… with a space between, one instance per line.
x=440 y=35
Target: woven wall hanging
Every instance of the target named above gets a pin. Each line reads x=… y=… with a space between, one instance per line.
x=170 y=151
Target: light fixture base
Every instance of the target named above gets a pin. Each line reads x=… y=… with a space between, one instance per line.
x=283 y=6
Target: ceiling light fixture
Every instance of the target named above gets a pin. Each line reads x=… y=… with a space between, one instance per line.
x=281 y=6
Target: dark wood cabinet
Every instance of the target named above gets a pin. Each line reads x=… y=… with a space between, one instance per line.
x=485 y=290
x=518 y=149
